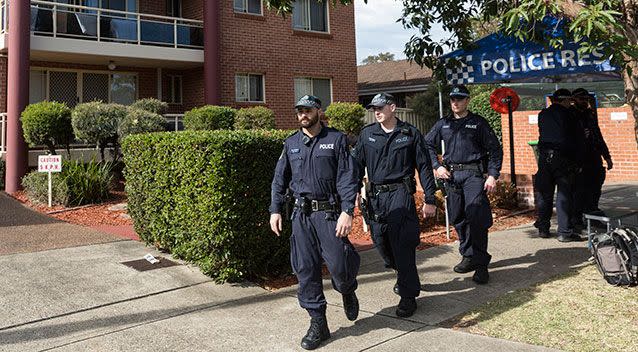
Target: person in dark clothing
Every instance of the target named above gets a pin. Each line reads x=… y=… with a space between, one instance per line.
x=561 y=148
x=391 y=150
x=592 y=177
x=469 y=143
x=316 y=166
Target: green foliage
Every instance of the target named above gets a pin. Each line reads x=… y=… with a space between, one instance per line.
x=204 y=196
x=140 y=121
x=426 y=105
x=504 y=196
x=346 y=117
x=47 y=123
x=258 y=117
x=210 y=117
x=97 y=123
x=78 y=184
x=381 y=57
x=36 y=185
x=151 y=104
x=480 y=104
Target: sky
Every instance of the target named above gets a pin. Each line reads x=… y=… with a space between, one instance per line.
x=377 y=30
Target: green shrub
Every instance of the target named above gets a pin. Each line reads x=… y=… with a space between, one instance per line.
x=36 y=185
x=204 y=196
x=87 y=182
x=210 y=118
x=426 y=105
x=504 y=196
x=141 y=121
x=78 y=184
x=258 y=117
x=346 y=117
x=47 y=123
x=480 y=104
x=97 y=123
x=151 y=104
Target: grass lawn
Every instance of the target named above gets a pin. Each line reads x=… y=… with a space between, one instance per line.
x=577 y=311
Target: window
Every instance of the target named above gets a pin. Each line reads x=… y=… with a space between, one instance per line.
x=249 y=88
x=174 y=8
x=174 y=89
x=123 y=88
x=319 y=87
x=310 y=15
x=248 y=6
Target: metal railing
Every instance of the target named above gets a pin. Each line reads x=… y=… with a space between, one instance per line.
x=407 y=115
x=54 y=19
x=3 y=133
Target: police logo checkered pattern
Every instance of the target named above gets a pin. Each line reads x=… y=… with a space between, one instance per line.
x=463 y=74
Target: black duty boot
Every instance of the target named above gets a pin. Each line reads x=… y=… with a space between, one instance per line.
x=481 y=276
x=395 y=289
x=317 y=332
x=406 y=307
x=465 y=266
x=351 y=306
x=572 y=237
x=544 y=234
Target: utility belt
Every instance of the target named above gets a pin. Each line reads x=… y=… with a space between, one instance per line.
x=309 y=206
x=463 y=167
x=373 y=189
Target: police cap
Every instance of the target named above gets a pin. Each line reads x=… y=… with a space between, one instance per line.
x=562 y=94
x=380 y=100
x=459 y=91
x=580 y=92
x=309 y=101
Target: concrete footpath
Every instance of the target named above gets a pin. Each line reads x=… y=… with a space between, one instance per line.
x=64 y=288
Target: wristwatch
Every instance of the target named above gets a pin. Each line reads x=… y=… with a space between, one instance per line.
x=349 y=211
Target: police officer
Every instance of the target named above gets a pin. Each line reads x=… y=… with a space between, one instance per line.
x=317 y=167
x=560 y=157
x=592 y=177
x=391 y=149
x=470 y=143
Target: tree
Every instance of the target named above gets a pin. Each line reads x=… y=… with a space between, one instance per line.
x=382 y=57
x=608 y=26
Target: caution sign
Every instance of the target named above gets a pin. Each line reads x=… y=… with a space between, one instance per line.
x=50 y=163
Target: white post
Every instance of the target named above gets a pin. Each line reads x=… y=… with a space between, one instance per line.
x=440 y=102
x=447 y=215
x=50 y=191
x=363 y=195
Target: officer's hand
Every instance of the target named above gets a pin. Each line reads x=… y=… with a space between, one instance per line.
x=428 y=210
x=442 y=172
x=490 y=184
x=610 y=164
x=275 y=223
x=344 y=225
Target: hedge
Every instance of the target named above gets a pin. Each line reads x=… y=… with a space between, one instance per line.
x=210 y=117
x=258 y=117
x=152 y=105
x=204 y=196
x=346 y=117
x=47 y=123
x=480 y=104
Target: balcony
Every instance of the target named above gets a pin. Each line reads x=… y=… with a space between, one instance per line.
x=60 y=29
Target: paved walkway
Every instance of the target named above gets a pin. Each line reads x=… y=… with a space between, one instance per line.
x=81 y=298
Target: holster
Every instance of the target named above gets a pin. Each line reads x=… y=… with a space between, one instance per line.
x=410 y=184
x=289 y=203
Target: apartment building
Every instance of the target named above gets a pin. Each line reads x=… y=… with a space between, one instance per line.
x=186 y=52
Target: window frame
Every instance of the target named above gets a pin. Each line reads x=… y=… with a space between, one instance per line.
x=263 y=88
x=312 y=87
x=172 y=91
x=245 y=9
x=327 y=31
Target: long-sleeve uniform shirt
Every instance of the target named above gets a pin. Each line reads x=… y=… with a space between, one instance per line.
x=319 y=168
x=391 y=157
x=468 y=140
x=595 y=146
x=560 y=130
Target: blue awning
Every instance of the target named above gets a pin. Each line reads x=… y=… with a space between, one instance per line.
x=498 y=58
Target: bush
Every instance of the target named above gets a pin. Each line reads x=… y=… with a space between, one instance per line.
x=258 y=117
x=78 y=183
x=47 y=123
x=152 y=105
x=346 y=117
x=504 y=196
x=480 y=104
x=210 y=118
x=97 y=123
x=140 y=121
x=204 y=196
x=36 y=185
x=426 y=105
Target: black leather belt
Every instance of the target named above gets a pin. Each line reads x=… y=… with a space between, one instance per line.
x=387 y=187
x=308 y=205
x=461 y=167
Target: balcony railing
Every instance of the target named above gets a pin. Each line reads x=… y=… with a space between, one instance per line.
x=53 y=19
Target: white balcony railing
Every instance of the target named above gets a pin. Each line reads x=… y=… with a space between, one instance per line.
x=54 y=19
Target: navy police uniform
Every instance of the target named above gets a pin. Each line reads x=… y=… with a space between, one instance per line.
x=469 y=143
x=391 y=159
x=560 y=158
x=320 y=174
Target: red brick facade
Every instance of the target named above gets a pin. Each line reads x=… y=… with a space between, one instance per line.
x=619 y=135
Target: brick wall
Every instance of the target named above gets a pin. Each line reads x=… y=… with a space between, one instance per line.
x=619 y=135
x=268 y=45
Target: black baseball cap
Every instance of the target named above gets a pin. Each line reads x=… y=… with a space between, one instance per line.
x=580 y=92
x=309 y=101
x=459 y=91
x=381 y=100
x=562 y=94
